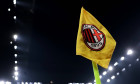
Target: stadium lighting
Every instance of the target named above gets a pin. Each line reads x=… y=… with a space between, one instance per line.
x=26 y=82
x=15 y=55
x=35 y=82
x=104 y=73
x=129 y=52
x=108 y=80
x=16 y=78
x=16 y=73
x=15 y=47
x=129 y=65
x=15 y=36
x=100 y=77
x=137 y=59
x=113 y=77
x=7 y=82
x=15 y=17
x=123 y=69
x=116 y=63
x=94 y=80
x=22 y=82
x=89 y=83
x=9 y=9
x=15 y=62
x=14 y=2
x=118 y=73
x=110 y=68
x=39 y=83
x=11 y=42
x=122 y=58
x=1 y=82
x=16 y=68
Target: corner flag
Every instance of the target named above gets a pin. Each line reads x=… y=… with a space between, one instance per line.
x=94 y=42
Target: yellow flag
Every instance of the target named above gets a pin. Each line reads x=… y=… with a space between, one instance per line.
x=94 y=42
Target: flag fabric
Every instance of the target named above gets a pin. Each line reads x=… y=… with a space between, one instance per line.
x=94 y=42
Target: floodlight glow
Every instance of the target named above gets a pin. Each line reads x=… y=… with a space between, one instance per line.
x=15 y=55
x=104 y=73
x=137 y=59
x=94 y=80
x=122 y=58
x=9 y=9
x=22 y=82
x=16 y=68
x=15 y=36
x=123 y=69
x=35 y=82
x=7 y=82
x=108 y=80
x=89 y=83
x=26 y=82
x=113 y=77
x=15 y=47
x=118 y=73
x=129 y=52
x=11 y=42
x=100 y=77
x=31 y=83
x=15 y=17
x=1 y=82
x=94 y=83
x=116 y=63
x=16 y=78
x=129 y=65
x=15 y=62
x=110 y=68
x=16 y=73
x=39 y=83
x=14 y=2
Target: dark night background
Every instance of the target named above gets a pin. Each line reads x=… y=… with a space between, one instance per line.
x=47 y=32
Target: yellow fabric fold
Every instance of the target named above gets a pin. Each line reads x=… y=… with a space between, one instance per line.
x=94 y=42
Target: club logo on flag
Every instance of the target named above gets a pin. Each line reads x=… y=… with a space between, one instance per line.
x=93 y=37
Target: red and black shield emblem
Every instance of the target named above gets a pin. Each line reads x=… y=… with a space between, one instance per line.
x=93 y=37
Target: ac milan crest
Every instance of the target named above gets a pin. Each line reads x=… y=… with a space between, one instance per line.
x=93 y=37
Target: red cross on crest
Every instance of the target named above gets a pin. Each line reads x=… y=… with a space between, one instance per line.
x=93 y=37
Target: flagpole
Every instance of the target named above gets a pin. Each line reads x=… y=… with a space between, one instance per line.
x=96 y=73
